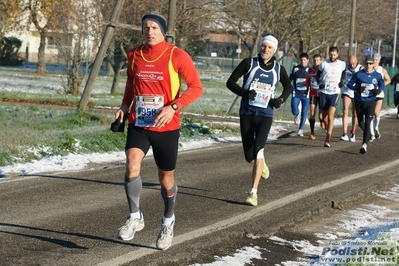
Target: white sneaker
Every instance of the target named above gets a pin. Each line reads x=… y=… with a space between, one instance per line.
x=363 y=149
x=352 y=138
x=300 y=132
x=297 y=119
x=372 y=137
x=131 y=226
x=265 y=171
x=165 y=236
x=344 y=137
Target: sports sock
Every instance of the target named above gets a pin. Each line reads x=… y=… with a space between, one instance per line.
x=168 y=221
x=169 y=199
x=312 y=122
x=135 y=215
x=372 y=127
x=377 y=122
x=133 y=187
x=253 y=191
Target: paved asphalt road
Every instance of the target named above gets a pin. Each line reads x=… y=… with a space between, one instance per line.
x=72 y=218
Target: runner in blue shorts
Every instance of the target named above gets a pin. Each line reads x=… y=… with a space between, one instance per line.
x=331 y=77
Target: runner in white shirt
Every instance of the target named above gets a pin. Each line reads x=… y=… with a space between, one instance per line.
x=375 y=132
x=331 y=77
x=347 y=98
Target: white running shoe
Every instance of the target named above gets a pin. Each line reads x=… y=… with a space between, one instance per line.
x=363 y=149
x=131 y=226
x=165 y=236
x=265 y=171
x=372 y=137
x=297 y=119
x=352 y=138
x=344 y=137
x=300 y=132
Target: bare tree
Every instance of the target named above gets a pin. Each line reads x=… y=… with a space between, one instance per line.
x=22 y=13
x=302 y=25
x=77 y=39
x=3 y=16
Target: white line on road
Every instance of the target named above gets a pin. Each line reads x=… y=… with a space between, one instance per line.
x=255 y=212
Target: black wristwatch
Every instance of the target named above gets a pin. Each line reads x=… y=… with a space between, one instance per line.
x=175 y=106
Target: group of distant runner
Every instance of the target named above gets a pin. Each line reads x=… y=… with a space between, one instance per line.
x=323 y=84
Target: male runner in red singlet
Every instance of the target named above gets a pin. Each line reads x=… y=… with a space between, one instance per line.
x=152 y=95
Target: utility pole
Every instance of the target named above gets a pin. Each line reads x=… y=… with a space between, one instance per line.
x=352 y=29
x=394 y=38
x=170 y=35
x=109 y=32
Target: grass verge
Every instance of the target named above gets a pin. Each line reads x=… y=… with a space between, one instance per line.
x=31 y=132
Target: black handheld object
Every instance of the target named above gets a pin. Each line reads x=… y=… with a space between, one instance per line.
x=118 y=126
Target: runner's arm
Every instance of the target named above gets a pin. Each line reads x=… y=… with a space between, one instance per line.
x=129 y=87
x=318 y=75
x=387 y=78
x=307 y=82
x=184 y=65
x=238 y=72
x=381 y=83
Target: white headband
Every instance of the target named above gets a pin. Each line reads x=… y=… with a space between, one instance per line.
x=270 y=40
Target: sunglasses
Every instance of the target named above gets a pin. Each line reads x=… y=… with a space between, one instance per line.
x=368 y=63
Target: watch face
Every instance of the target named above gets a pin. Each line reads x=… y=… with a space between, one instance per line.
x=175 y=107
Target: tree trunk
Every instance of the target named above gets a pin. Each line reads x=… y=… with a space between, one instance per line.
x=117 y=77
x=115 y=83
x=110 y=55
x=41 y=60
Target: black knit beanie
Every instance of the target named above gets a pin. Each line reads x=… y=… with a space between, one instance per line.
x=160 y=20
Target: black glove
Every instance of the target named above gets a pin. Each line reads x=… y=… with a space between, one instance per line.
x=361 y=89
x=376 y=92
x=250 y=94
x=340 y=84
x=117 y=126
x=321 y=86
x=276 y=103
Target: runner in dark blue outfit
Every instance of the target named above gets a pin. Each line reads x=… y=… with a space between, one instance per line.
x=367 y=84
x=300 y=94
x=261 y=76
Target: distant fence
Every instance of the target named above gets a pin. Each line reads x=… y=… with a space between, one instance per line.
x=227 y=65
